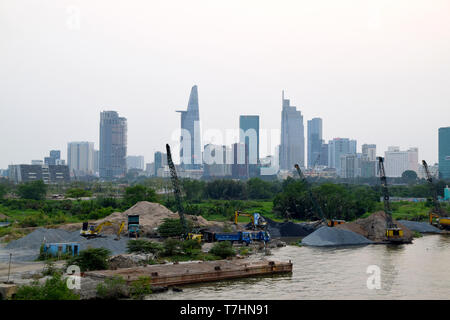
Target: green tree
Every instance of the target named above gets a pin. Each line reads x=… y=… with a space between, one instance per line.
x=35 y=190
x=259 y=189
x=193 y=189
x=223 y=249
x=172 y=228
x=3 y=191
x=91 y=259
x=409 y=176
x=78 y=193
x=139 y=193
x=54 y=288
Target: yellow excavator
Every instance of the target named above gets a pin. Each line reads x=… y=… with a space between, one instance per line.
x=94 y=231
x=258 y=222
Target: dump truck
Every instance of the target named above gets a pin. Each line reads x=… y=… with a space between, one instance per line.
x=242 y=236
x=133 y=226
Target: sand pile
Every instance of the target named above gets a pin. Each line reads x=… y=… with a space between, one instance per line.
x=326 y=236
x=423 y=227
x=151 y=215
x=374 y=227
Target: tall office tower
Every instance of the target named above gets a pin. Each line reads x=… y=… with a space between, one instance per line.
x=240 y=168
x=314 y=141
x=369 y=151
x=80 y=158
x=249 y=135
x=135 y=162
x=397 y=161
x=160 y=161
x=215 y=162
x=55 y=155
x=113 y=145
x=292 y=147
x=323 y=159
x=96 y=161
x=338 y=147
x=190 y=142
x=350 y=166
x=444 y=153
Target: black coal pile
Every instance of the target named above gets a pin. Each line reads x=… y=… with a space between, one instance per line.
x=289 y=229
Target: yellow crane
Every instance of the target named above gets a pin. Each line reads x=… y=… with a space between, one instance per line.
x=94 y=231
x=255 y=218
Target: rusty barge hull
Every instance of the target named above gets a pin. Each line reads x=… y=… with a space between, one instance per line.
x=190 y=273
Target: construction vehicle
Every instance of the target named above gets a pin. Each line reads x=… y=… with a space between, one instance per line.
x=437 y=216
x=257 y=221
x=317 y=209
x=246 y=237
x=393 y=234
x=177 y=193
x=194 y=236
x=133 y=226
x=94 y=231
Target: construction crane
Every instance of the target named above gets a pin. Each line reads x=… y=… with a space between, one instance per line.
x=317 y=208
x=94 y=231
x=177 y=192
x=437 y=211
x=393 y=234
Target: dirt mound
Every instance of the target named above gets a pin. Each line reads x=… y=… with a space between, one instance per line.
x=374 y=227
x=128 y=260
x=326 y=236
x=151 y=215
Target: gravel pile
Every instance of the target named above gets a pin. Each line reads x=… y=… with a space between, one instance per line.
x=422 y=227
x=326 y=236
x=288 y=229
x=34 y=240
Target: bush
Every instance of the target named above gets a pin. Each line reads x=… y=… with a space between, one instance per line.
x=112 y=288
x=144 y=246
x=223 y=249
x=54 y=288
x=172 y=228
x=35 y=190
x=172 y=247
x=190 y=247
x=140 y=288
x=91 y=259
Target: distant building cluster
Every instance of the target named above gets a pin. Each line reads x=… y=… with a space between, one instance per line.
x=337 y=157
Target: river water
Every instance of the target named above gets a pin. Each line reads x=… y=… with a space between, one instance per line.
x=415 y=271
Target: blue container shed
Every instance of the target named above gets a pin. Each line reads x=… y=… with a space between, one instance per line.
x=56 y=249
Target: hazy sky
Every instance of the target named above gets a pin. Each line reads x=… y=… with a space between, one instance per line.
x=375 y=71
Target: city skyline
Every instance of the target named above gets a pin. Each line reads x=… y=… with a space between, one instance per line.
x=373 y=71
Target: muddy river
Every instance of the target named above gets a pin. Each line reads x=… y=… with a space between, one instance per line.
x=415 y=271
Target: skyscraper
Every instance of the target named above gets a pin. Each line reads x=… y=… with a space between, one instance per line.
x=160 y=161
x=190 y=142
x=249 y=135
x=113 y=145
x=397 y=161
x=135 y=162
x=369 y=151
x=338 y=147
x=80 y=158
x=444 y=153
x=292 y=147
x=55 y=155
x=314 y=141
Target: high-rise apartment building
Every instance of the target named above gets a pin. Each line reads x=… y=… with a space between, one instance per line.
x=314 y=141
x=55 y=155
x=444 y=153
x=338 y=147
x=190 y=140
x=135 y=162
x=80 y=158
x=323 y=157
x=292 y=147
x=396 y=161
x=369 y=151
x=160 y=161
x=113 y=145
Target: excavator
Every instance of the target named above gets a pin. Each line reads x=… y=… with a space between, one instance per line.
x=177 y=192
x=257 y=221
x=393 y=234
x=94 y=231
x=317 y=208
x=437 y=216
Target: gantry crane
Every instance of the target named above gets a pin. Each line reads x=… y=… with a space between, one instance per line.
x=393 y=234
x=317 y=209
x=437 y=212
